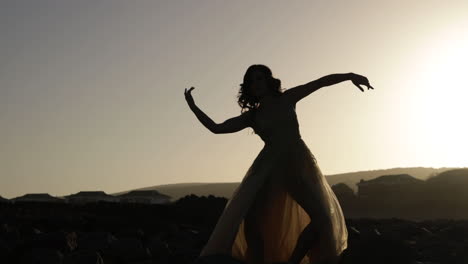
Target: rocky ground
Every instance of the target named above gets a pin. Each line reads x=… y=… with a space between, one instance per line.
x=144 y=234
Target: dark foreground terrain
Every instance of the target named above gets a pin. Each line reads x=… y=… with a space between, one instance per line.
x=114 y=233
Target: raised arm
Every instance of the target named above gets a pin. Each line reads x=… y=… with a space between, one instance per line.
x=231 y=125
x=297 y=93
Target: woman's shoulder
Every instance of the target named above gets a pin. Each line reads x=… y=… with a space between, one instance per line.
x=248 y=113
x=249 y=117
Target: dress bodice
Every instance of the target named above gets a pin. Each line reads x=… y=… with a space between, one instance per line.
x=277 y=122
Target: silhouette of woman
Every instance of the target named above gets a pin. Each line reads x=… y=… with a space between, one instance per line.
x=283 y=211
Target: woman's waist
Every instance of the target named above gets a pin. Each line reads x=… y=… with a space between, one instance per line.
x=294 y=148
x=283 y=140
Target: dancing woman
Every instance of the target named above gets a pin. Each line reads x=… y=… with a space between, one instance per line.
x=283 y=211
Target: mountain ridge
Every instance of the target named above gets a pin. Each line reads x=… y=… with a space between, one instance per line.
x=226 y=189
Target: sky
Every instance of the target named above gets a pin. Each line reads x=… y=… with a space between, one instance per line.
x=91 y=92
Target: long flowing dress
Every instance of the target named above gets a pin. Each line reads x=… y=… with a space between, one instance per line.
x=288 y=190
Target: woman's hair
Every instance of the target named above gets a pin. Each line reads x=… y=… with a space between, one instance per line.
x=246 y=100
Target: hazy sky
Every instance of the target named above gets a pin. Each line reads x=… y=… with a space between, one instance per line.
x=91 y=92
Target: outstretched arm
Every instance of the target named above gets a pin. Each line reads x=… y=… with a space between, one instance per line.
x=297 y=93
x=231 y=125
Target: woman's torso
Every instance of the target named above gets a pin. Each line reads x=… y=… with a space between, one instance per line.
x=276 y=122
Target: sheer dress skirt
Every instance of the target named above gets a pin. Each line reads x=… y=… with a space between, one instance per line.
x=281 y=193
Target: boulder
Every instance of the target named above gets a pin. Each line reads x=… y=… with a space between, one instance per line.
x=83 y=257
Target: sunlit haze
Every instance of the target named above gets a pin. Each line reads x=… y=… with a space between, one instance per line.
x=92 y=92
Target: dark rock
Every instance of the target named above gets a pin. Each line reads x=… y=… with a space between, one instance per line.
x=4 y=249
x=184 y=242
x=72 y=240
x=130 y=232
x=95 y=240
x=215 y=259
x=52 y=240
x=41 y=256
x=83 y=257
x=158 y=249
x=176 y=234
x=127 y=249
x=27 y=231
x=379 y=249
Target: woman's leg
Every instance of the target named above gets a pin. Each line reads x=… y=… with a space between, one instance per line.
x=254 y=239
x=308 y=239
x=315 y=233
x=253 y=235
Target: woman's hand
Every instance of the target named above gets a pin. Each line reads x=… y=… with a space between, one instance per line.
x=188 y=96
x=359 y=80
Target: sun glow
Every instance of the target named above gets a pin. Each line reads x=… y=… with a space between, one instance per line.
x=437 y=118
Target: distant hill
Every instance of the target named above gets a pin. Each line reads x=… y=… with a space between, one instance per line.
x=226 y=189
x=351 y=178
x=179 y=190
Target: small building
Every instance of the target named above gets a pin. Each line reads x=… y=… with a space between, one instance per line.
x=38 y=197
x=144 y=196
x=90 y=197
x=390 y=186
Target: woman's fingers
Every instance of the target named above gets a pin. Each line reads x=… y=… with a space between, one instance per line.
x=362 y=80
x=358 y=86
x=366 y=83
x=188 y=95
x=187 y=92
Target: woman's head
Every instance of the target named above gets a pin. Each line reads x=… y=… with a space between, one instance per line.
x=258 y=82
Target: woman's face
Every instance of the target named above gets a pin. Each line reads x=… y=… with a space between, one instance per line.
x=258 y=84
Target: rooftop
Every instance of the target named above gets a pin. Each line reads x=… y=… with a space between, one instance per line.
x=37 y=196
x=90 y=194
x=144 y=193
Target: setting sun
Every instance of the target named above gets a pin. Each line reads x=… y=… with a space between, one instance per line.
x=438 y=108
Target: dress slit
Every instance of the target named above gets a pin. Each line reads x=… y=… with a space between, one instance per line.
x=282 y=219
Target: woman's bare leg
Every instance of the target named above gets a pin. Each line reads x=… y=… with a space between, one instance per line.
x=311 y=236
x=308 y=239
x=254 y=242
x=253 y=235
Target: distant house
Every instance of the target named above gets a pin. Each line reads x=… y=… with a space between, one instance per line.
x=399 y=185
x=37 y=197
x=3 y=200
x=144 y=196
x=90 y=197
